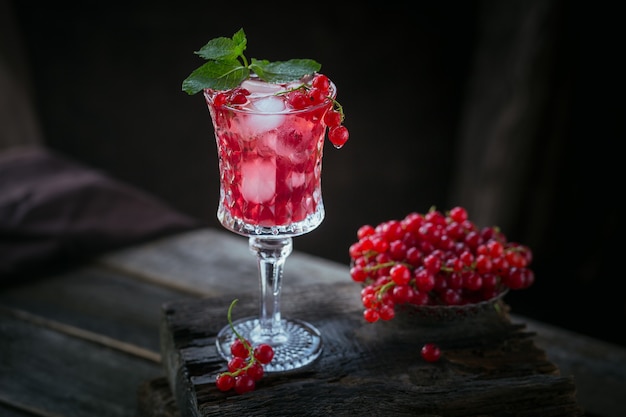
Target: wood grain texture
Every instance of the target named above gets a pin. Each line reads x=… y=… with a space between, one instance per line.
x=491 y=366
x=62 y=375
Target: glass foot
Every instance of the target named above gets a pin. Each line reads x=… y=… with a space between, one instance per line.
x=297 y=345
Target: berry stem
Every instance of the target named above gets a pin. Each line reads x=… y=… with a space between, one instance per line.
x=230 y=323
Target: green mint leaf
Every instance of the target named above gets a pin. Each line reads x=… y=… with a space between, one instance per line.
x=218 y=75
x=224 y=48
x=227 y=66
x=284 y=71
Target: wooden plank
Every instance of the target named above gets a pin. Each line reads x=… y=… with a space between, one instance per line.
x=155 y=399
x=20 y=410
x=96 y=300
x=92 y=322
x=211 y=262
x=490 y=365
x=598 y=368
x=43 y=369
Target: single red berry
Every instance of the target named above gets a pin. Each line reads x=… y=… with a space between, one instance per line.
x=400 y=274
x=458 y=214
x=321 y=82
x=338 y=135
x=236 y=363
x=256 y=371
x=387 y=312
x=358 y=274
x=244 y=383
x=432 y=263
x=332 y=118
x=431 y=352
x=364 y=231
x=225 y=382
x=424 y=279
x=402 y=293
x=298 y=99
x=264 y=353
x=220 y=99
x=371 y=315
x=316 y=96
x=240 y=348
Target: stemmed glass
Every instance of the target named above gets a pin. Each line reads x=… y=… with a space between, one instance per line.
x=270 y=164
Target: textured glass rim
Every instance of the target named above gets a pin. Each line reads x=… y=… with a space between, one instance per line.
x=210 y=93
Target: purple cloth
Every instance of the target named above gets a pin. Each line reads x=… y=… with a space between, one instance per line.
x=55 y=213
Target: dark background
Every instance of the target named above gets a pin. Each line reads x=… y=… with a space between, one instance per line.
x=513 y=110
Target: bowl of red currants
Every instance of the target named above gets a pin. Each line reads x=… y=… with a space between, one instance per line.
x=437 y=265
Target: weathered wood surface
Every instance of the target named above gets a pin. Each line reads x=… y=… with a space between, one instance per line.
x=490 y=365
x=78 y=344
x=91 y=336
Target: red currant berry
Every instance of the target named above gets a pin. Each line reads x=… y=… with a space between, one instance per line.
x=238 y=98
x=402 y=294
x=358 y=274
x=244 y=383
x=225 y=382
x=424 y=280
x=321 y=82
x=371 y=315
x=432 y=263
x=386 y=312
x=264 y=353
x=220 y=99
x=236 y=363
x=298 y=99
x=240 y=348
x=256 y=371
x=332 y=118
x=338 y=135
x=364 y=231
x=316 y=96
x=400 y=274
x=458 y=214
x=431 y=352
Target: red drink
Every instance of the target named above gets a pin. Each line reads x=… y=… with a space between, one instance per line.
x=270 y=156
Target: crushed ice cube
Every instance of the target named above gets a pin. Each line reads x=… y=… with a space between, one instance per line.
x=270 y=104
x=259 y=180
x=260 y=87
x=258 y=123
x=296 y=179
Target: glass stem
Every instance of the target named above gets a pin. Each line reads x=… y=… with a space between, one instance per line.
x=271 y=256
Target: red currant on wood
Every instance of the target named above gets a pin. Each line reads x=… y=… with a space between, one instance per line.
x=244 y=383
x=430 y=352
x=245 y=368
x=225 y=382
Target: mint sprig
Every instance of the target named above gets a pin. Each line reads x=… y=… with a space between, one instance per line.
x=227 y=66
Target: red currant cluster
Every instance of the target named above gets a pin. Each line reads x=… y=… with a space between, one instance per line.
x=236 y=96
x=434 y=259
x=245 y=368
x=306 y=96
x=299 y=98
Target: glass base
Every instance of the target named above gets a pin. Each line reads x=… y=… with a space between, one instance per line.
x=298 y=345
x=239 y=226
